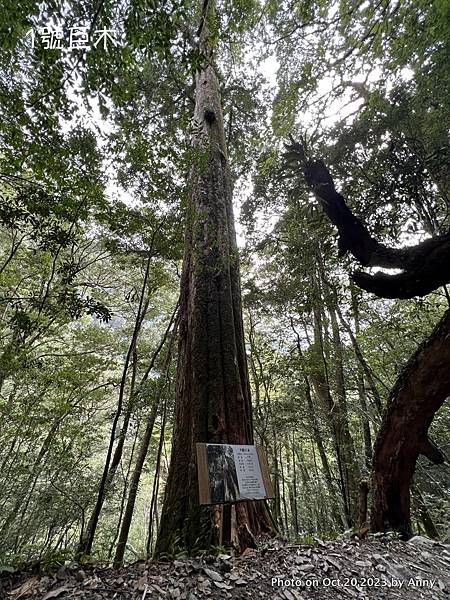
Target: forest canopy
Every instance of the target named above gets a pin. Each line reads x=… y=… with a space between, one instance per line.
x=131 y=319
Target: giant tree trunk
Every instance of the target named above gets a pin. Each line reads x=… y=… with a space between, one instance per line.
x=420 y=390
x=213 y=393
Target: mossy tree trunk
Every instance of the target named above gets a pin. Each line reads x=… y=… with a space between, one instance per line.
x=213 y=393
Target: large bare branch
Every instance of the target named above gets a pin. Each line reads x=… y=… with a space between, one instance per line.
x=425 y=266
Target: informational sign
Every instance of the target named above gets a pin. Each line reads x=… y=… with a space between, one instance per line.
x=232 y=473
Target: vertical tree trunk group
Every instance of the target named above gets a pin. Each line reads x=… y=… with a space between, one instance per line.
x=424 y=383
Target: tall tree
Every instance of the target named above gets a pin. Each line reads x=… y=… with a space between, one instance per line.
x=213 y=393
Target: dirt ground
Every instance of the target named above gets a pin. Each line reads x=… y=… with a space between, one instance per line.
x=374 y=568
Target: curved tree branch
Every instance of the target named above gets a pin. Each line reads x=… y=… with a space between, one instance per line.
x=425 y=266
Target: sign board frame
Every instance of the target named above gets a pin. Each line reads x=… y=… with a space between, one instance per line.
x=205 y=484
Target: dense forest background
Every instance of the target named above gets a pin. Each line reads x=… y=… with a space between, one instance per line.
x=94 y=179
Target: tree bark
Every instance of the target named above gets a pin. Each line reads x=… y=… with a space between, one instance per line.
x=421 y=389
x=212 y=391
x=361 y=521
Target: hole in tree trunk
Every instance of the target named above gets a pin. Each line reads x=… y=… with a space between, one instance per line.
x=215 y=422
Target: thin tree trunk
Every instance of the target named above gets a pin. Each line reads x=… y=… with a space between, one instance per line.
x=316 y=434
x=140 y=459
x=425 y=516
x=155 y=489
x=362 y=361
x=351 y=466
x=363 y=370
x=283 y=485
x=294 y=487
x=109 y=468
x=124 y=492
x=277 y=500
x=362 y=505
x=321 y=384
x=134 y=485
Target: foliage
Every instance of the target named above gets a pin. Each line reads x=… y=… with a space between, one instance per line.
x=95 y=157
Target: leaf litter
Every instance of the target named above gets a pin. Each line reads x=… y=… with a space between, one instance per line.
x=378 y=568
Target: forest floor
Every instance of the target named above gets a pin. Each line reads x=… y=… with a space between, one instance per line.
x=374 y=568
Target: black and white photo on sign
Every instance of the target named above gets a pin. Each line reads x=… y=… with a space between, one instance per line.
x=234 y=473
x=222 y=474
